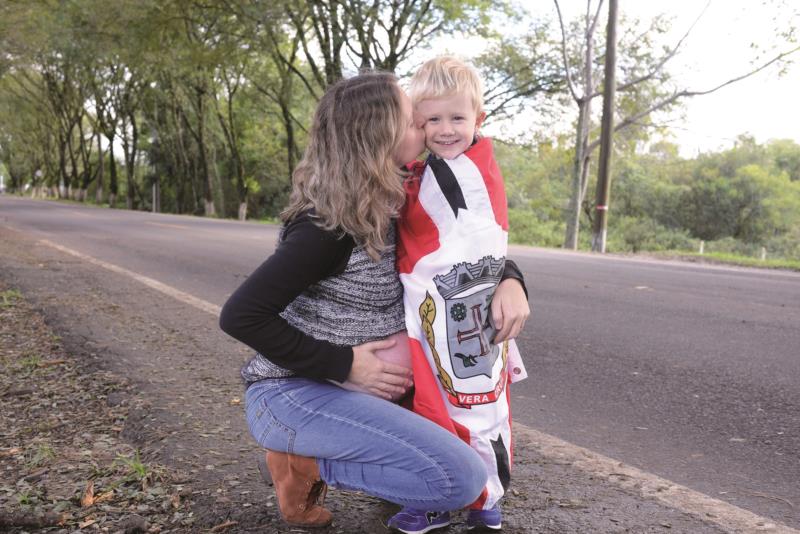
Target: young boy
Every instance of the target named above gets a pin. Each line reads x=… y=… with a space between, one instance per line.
x=452 y=242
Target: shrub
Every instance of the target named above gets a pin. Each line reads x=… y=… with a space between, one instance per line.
x=635 y=234
x=526 y=229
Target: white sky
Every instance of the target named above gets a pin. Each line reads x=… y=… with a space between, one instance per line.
x=717 y=49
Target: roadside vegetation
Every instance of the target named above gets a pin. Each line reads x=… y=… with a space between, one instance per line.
x=203 y=109
x=737 y=204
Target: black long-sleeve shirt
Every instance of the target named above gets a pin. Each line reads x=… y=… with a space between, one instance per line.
x=306 y=255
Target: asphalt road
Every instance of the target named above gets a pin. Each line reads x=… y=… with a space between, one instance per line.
x=687 y=371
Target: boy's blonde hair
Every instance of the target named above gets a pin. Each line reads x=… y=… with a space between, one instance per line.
x=348 y=175
x=445 y=76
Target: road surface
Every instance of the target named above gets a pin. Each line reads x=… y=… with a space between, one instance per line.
x=687 y=371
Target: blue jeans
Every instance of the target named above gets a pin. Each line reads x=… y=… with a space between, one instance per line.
x=365 y=443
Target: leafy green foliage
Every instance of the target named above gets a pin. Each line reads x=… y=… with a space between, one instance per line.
x=211 y=102
x=737 y=201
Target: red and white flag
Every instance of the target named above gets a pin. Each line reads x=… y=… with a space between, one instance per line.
x=451 y=250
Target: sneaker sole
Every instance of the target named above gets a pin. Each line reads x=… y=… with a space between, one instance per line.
x=485 y=527
x=423 y=531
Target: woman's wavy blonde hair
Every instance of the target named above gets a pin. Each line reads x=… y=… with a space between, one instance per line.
x=348 y=174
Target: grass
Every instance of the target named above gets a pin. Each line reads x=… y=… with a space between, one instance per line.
x=9 y=297
x=134 y=464
x=267 y=220
x=730 y=259
x=136 y=471
x=41 y=455
x=28 y=497
x=30 y=362
x=89 y=202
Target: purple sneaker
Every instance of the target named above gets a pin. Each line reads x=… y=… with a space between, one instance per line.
x=490 y=519
x=413 y=521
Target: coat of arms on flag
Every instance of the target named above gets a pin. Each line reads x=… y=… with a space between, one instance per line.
x=467 y=290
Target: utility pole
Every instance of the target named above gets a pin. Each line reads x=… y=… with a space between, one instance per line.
x=606 y=133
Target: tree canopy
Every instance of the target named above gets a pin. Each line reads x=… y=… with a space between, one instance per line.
x=203 y=108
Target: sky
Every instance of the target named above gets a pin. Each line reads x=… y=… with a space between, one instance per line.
x=717 y=49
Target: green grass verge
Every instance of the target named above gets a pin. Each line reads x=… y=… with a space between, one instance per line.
x=89 y=203
x=728 y=259
x=267 y=220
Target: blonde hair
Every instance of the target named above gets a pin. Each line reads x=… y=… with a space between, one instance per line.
x=446 y=76
x=348 y=174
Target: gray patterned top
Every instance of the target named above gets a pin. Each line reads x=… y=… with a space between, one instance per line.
x=363 y=303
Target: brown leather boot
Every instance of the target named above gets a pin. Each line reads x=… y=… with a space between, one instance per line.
x=299 y=488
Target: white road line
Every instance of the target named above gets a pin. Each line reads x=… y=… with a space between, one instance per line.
x=165 y=225
x=729 y=517
x=81 y=214
x=186 y=298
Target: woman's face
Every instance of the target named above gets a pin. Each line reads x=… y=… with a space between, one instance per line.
x=413 y=142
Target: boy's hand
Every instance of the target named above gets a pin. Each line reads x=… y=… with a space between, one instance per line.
x=510 y=310
x=377 y=377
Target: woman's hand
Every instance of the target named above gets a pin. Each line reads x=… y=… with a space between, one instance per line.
x=377 y=377
x=510 y=310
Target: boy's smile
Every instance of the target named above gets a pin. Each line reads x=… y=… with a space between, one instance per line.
x=450 y=124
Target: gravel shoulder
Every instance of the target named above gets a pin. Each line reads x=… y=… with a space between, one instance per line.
x=65 y=464
x=143 y=374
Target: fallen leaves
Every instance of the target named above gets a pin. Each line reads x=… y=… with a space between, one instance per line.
x=10 y=452
x=223 y=526
x=61 y=456
x=89 y=521
x=87 y=499
x=50 y=363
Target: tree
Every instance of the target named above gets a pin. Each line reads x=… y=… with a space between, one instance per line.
x=644 y=90
x=521 y=72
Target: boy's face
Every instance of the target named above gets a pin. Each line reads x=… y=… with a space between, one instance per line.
x=450 y=124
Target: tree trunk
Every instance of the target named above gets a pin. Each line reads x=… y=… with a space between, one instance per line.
x=220 y=190
x=291 y=142
x=206 y=174
x=130 y=163
x=581 y=161
x=229 y=130
x=113 y=183
x=74 y=182
x=578 y=171
x=62 y=167
x=98 y=194
x=87 y=172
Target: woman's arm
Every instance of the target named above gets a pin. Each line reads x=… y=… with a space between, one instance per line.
x=305 y=255
x=510 y=308
x=512 y=271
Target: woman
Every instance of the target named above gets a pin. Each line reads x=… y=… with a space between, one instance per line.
x=321 y=306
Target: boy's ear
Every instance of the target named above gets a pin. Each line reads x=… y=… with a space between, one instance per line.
x=479 y=120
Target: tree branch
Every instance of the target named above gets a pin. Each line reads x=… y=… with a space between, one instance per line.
x=688 y=93
x=627 y=85
x=570 y=84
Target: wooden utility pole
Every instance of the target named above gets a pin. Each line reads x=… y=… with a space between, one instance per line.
x=606 y=133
